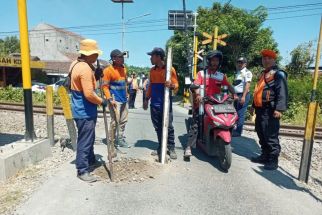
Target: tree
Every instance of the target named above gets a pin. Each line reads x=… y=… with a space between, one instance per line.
x=301 y=58
x=137 y=70
x=9 y=45
x=247 y=36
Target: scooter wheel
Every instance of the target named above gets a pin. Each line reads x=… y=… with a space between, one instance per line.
x=225 y=156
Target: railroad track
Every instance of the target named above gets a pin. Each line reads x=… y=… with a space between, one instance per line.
x=285 y=130
x=40 y=109
x=289 y=131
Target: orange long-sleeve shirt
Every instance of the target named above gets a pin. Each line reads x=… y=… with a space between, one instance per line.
x=83 y=84
x=114 y=83
x=156 y=86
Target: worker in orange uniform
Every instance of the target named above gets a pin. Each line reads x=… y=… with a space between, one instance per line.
x=115 y=90
x=155 y=92
x=84 y=106
x=270 y=101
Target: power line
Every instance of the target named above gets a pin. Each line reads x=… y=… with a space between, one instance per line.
x=102 y=33
x=89 y=26
x=130 y=32
x=294 y=6
x=289 y=17
x=292 y=11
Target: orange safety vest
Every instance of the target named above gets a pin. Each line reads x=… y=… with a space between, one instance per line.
x=264 y=81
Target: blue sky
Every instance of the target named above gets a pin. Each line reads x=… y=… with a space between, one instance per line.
x=65 y=13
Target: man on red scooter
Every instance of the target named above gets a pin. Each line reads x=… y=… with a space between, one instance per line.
x=214 y=81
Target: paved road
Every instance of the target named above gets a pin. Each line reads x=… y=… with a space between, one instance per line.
x=196 y=187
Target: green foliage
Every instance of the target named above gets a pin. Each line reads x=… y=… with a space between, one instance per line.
x=300 y=89
x=301 y=57
x=137 y=70
x=10 y=94
x=15 y=95
x=247 y=36
x=9 y=45
x=296 y=114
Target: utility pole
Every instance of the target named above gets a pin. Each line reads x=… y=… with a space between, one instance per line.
x=186 y=32
x=123 y=24
x=123 y=27
x=310 y=120
x=185 y=15
x=195 y=48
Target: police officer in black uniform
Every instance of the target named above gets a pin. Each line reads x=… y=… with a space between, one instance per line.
x=270 y=101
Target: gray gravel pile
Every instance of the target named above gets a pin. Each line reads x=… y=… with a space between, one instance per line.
x=19 y=187
x=290 y=160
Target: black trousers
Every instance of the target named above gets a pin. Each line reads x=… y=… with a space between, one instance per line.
x=132 y=98
x=193 y=129
x=267 y=128
x=156 y=117
x=144 y=94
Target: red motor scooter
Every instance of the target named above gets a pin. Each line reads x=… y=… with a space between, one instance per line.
x=218 y=118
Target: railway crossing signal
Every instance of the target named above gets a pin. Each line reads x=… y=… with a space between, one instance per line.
x=215 y=39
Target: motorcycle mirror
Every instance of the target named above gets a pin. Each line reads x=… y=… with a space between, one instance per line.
x=194 y=86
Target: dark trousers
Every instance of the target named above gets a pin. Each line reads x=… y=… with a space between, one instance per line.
x=132 y=98
x=194 y=129
x=267 y=128
x=241 y=110
x=156 y=116
x=144 y=94
x=85 y=144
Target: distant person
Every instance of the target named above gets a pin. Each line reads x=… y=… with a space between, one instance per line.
x=145 y=87
x=114 y=87
x=270 y=101
x=84 y=106
x=155 y=92
x=243 y=78
x=134 y=87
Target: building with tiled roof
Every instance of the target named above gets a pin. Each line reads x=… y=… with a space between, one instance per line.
x=50 y=43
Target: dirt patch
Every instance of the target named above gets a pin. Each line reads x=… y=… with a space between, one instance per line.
x=128 y=170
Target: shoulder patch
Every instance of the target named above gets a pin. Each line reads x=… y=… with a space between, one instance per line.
x=281 y=74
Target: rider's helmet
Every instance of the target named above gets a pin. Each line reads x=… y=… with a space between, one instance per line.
x=241 y=59
x=215 y=53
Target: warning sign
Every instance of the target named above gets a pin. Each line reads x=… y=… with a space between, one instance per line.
x=16 y=62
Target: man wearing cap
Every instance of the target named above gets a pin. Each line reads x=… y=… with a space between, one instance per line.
x=243 y=78
x=84 y=106
x=115 y=90
x=270 y=101
x=155 y=92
